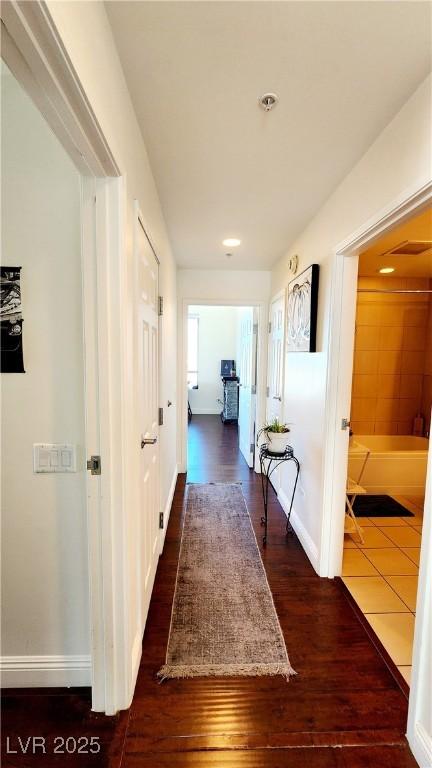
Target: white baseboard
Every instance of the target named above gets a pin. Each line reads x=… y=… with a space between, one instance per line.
x=306 y=541
x=206 y=411
x=168 y=505
x=45 y=671
x=421 y=746
x=135 y=663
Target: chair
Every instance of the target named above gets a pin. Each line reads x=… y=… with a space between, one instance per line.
x=354 y=489
x=351 y=525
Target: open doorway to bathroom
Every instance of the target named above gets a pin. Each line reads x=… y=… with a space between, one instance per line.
x=222 y=390
x=390 y=424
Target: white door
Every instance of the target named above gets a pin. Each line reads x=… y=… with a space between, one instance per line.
x=275 y=358
x=148 y=447
x=247 y=375
x=275 y=369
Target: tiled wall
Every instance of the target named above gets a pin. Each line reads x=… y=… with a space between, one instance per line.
x=427 y=378
x=389 y=357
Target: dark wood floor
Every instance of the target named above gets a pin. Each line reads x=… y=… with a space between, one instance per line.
x=343 y=710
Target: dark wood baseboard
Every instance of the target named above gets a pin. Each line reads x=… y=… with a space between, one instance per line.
x=84 y=691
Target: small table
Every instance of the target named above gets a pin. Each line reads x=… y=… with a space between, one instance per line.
x=269 y=462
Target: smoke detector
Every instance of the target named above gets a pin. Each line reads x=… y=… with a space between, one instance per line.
x=268 y=101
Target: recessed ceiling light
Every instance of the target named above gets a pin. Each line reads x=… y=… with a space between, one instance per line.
x=231 y=242
x=386 y=270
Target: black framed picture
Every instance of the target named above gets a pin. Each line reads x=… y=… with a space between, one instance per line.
x=11 y=321
x=302 y=311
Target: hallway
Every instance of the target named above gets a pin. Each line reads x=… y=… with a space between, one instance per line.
x=213 y=453
x=343 y=695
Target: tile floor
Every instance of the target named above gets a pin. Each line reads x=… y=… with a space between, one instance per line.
x=381 y=575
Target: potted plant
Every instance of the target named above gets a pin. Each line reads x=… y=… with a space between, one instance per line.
x=276 y=436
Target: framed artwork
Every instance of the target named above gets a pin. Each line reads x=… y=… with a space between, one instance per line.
x=302 y=311
x=11 y=321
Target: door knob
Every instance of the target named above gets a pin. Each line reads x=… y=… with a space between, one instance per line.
x=277 y=397
x=148 y=441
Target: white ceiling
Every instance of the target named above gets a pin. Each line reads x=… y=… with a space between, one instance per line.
x=222 y=166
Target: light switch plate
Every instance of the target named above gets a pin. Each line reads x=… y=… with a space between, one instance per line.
x=54 y=457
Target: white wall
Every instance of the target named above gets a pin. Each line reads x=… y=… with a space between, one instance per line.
x=44 y=564
x=420 y=706
x=87 y=38
x=217 y=330
x=399 y=159
x=398 y=162
x=224 y=285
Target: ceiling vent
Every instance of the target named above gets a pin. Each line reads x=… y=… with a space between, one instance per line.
x=410 y=248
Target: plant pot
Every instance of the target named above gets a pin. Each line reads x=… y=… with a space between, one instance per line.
x=277 y=441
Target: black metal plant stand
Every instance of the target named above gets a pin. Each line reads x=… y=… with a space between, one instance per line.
x=269 y=462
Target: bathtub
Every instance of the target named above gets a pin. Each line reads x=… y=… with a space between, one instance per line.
x=396 y=466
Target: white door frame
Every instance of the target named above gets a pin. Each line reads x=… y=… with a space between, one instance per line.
x=182 y=365
x=134 y=501
x=343 y=301
x=248 y=455
x=339 y=383
x=34 y=52
x=282 y=294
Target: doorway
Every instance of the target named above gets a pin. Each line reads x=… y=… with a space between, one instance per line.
x=43 y=416
x=344 y=294
x=33 y=51
x=390 y=428
x=148 y=524
x=275 y=369
x=221 y=380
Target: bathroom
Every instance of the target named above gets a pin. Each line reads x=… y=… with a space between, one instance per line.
x=390 y=425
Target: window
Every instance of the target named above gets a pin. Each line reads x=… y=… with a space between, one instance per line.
x=192 y=372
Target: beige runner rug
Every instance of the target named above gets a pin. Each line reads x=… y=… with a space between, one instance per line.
x=223 y=619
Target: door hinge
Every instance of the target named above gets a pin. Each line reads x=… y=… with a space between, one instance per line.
x=268 y=391
x=345 y=424
x=252 y=447
x=94 y=465
x=160 y=418
x=253 y=389
x=161 y=520
x=255 y=328
x=160 y=306
x=269 y=327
